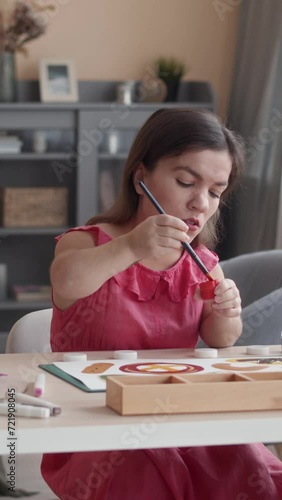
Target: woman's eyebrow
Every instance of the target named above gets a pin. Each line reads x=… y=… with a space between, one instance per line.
x=193 y=172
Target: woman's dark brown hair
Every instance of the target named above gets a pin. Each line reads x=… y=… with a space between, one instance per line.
x=173 y=132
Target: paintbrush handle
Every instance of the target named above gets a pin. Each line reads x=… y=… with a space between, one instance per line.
x=151 y=198
x=195 y=257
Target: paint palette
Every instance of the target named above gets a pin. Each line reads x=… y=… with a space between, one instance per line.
x=199 y=393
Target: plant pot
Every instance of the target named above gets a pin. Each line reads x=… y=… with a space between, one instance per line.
x=8 y=90
x=172 y=90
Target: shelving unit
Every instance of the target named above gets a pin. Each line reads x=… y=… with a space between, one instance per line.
x=21 y=231
x=76 y=157
x=12 y=305
x=32 y=156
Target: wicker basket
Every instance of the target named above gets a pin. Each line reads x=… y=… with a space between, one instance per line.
x=36 y=207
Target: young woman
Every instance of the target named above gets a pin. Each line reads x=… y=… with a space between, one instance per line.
x=123 y=281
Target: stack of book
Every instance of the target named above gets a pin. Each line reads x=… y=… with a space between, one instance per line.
x=30 y=293
x=10 y=144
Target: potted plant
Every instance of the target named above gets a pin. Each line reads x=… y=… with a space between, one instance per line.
x=170 y=70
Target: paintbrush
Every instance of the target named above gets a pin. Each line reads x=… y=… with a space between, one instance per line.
x=185 y=245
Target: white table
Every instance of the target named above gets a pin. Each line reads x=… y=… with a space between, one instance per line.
x=86 y=424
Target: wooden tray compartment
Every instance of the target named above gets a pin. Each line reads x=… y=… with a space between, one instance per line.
x=213 y=392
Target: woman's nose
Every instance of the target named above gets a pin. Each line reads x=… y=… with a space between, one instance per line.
x=200 y=202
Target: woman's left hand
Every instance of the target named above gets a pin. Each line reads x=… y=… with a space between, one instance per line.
x=227 y=300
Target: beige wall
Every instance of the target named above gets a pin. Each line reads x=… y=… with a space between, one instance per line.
x=118 y=39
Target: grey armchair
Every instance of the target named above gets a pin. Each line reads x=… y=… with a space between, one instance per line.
x=259 y=278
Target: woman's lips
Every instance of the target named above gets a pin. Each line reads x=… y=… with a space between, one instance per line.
x=193 y=224
x=192 y=227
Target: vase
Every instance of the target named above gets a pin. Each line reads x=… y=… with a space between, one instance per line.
x=172 y=90
x=8 y=90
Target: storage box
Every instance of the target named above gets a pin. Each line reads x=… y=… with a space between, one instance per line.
x=213 y=392
x=36 y=207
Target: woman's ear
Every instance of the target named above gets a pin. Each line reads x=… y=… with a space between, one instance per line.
x=137 y=177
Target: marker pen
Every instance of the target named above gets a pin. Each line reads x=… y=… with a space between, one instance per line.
x=24 y=410
x=39 y=384
x=26 y=399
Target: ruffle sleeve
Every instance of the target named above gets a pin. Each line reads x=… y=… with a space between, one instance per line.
x=98 y=235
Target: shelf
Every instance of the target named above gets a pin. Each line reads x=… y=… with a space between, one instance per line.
x=11 y=304
x=33 y=156
x=22 y=231
x=116 y=156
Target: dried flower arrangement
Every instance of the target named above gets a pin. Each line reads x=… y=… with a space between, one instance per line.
x=20 y=22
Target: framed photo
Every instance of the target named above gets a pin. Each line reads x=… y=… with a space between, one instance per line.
x=57 y=81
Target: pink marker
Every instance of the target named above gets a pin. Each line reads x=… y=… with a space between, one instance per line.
x=39 y=385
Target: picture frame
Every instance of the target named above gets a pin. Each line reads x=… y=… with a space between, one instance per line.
x=57 y=81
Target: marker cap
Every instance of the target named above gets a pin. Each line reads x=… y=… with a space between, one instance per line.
x=74 y=356
x=125 y=354
x=208 y=352
x=258 y=350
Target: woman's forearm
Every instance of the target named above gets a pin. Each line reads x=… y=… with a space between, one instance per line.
x=219 y=332
x=77 y=273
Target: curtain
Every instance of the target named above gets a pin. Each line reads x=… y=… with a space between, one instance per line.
x=255 y=112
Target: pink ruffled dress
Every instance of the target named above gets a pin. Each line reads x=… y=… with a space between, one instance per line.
x=144 y=309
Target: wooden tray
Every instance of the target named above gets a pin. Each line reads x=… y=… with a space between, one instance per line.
x=213 y=392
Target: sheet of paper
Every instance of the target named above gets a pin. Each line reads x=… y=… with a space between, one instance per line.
x=92 y=373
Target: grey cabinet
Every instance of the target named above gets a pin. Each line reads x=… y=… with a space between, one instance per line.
x=87 y=144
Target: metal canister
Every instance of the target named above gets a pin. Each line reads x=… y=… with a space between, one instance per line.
x=126 y=92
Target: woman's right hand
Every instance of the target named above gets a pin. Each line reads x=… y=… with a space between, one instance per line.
x=157 y=236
